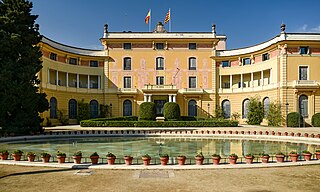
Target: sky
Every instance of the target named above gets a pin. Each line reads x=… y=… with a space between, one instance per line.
x=80 y=23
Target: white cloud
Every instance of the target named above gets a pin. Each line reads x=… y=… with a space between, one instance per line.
x=305 y=29
x=316 y=29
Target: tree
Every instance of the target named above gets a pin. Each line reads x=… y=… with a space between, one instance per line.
x=255 y=111
x=274 y=116
x=20 y=99
x=171 y=111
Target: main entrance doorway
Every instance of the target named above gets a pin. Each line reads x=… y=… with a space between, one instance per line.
x=159 y=106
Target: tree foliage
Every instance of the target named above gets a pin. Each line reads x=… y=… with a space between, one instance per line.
x=255 y=111
x=274 y=116
x=295 y=119
x=83 y=111
x=147 y=111
x=20 y=99
x=171 y=111
x=315 y=120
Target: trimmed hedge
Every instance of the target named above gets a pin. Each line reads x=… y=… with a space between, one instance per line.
x=187 y=118
x=315 y=120
x=217 y=123
x=171 y=111
x=147 y=111
x=293 y=119
x=125 y=118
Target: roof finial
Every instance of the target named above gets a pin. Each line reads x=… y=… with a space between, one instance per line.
x=213 y=28
x=283 y=28
x=105 y=28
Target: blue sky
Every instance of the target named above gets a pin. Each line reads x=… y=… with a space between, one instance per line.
x=245 y=22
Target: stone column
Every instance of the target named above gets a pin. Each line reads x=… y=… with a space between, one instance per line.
x=67 y=79
x=57 y=77
x=170 y=98
x=99 y=82
x=262 y=80
x=88 y=82
x=220 y=81
x=241 y=81
x=78 y=83
x=49 y=75
x=145 y=98
x=230 y=81
x=149 y=98
x=174 y=98
x=251 y=83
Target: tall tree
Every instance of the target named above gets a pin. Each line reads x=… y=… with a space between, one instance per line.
x=20 y=99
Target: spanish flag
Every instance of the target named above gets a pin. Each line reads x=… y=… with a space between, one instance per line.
x=148 y=17
x=167 y=19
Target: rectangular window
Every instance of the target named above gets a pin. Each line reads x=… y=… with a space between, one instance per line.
x=160 y=80
x=53 y=56
x=303 y=73
x=192 y=63
x=246 y=61
x=159 y=46
x=225 y=64
x=94 y=64
x=265 y=56
x=304 y=50
x=127 y=63
x=192 y=82
x=160 y=63
x=126 y=82
x=73 y=61
x=192 y=46
x=126 y=45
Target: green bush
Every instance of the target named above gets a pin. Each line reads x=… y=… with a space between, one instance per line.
x=293 y=119
x=274 y=116
x=171 y=111
x=187 y=118
x=83 y=111
x=125 y=118
x=315 y=120
x=255 y=111
x=218 y=113
x=147 y=111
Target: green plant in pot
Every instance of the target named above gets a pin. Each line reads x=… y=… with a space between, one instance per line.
x=199 y=158
x=17 y=155
x=61 y=157
x=111 y=158
x=294 y=156
x=164 y=158
x=94 y=158
x=280 y=157
x=317 y=154
x=233 y=158
x=31 y=156
x=307 y=155
x=249 y=158
x=216 y=159
x=146 y=159
x=265 y=157
x=181 y=159
x=77 y=156
x=4 y=154
x=128 y=159
x=45 y=157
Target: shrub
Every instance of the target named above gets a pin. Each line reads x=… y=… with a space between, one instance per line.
x=78 y=153
x=125 y=118
x=147 y=111
x=294 y=119
x=83 y=111
x=94 y=154
x=61 y=154
x=274 y=116
x=255 y=111
x=235 y=116
x=187 y=118
x=171 y=111
x=315 y=120
x=110 y=154
x=63 y=119
x=218 y=113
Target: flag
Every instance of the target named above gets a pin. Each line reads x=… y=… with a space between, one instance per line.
x=167 y=17
x=148 y=17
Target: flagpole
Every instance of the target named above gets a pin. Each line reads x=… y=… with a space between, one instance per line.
x=170 y=20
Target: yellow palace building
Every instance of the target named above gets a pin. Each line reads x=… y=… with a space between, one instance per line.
x=193 y=69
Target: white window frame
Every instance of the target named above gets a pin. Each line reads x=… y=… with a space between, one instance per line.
x=163 y=63
x=189 y=82
x=123 y=66
x=308 y=72
x=124 y=82
x=189 y=62
x=159 y=78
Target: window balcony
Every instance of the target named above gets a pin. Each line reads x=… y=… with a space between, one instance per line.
x=159 y=88
x=192 y=91
x=305 y=84
x=127 y=90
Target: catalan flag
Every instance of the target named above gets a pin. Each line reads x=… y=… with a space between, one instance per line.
x=167 y=19
x=148 y=17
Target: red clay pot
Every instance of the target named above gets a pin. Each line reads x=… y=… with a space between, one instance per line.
x=164 y=160
x=280 y=158
x=318 y=155
x=61 y=159
x=265 y=159
x=294 y=157
x=111 y=160
x=181 y=160
x=45 y=159
x=249 y=159
x=146 y=161
x=31 y=158
x=16 y=157
x=4 y=156
x=94 y=160
x=199 y=160
x=216 y=160
x=307 y=156
x=77 y=159
x=233 y=159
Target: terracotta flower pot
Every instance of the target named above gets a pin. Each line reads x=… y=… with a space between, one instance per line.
x=77 y=159
x=146 y=161
x=199 y=160
x=128 y=160
x=45 y=159
x=16 y=157
x=111 y=160
x=280 y=158
x=94 y=160
x=216 y=160
x=233 y=159
x=307 y=156
x=4 y=156
x=164 y=160
x=61 y=159
x=265 y=159
x=294 y=157
x=31 y=158
x=249 y=159
x=318 y=155
x=181 y=160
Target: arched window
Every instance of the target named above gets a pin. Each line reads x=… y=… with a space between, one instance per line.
x=159 y=63
x=226 y=108
x=53 y=108
x=192 y=63
x=127 y=63
x=266 y=105
x=94 y=109
x=303 y=105
x=245 y=106
x=72 y=109
x=192 y=108
x=127 y=108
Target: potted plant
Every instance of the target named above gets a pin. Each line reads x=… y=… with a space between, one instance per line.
x=111 y=158
x=61 y=157
x=216 y=159
x=280 y=157
x=249 y=158
x=4 y=154
x=128 y=159
x=45 y=157
x=199 y=158
x=94 y=158
x=17 y=155
x=318 y=154
x=181 y=159
x=294 y=156
x=31 y=156
x=146 y=159
x=233 y=158
x=164 y=158
x=265 y=157
x=307 y=155
x=77 y=157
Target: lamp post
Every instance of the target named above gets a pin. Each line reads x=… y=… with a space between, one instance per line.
x=287 y=109
x=110 y=109
x=209 y=109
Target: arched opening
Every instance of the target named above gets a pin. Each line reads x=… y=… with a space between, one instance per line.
x=94 y=109
x=245 y=108
x=72 y=109
x=192 y=108
x=226 y=108
x=53 y=108
x=127 y=108
x=266 y=106
x=303 y=105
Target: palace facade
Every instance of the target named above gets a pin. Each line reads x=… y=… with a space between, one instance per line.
x=193 y=69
